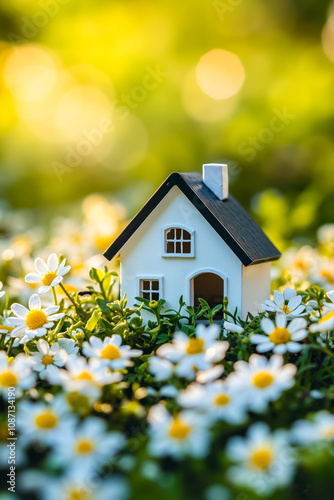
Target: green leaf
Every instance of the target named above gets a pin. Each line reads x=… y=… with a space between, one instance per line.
x=93 y=320
x=103 y=305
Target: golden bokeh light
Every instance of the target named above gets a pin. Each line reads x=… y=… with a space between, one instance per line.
x=200 y=106
x=328 y=38
x=81 y=108
x=30 y=73
x=220 y=74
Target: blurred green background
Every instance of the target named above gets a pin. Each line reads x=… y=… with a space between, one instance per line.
x=112 y=96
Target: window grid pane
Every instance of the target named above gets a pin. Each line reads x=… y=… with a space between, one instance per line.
x=177 y=241
x=150 y=289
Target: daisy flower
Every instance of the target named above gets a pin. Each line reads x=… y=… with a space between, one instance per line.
x=69 y=346
x=48 y=358
x=195 y=353
x=288 y=303
x=49 y=274
x=321 y=429
x=160 y=368
x=16 y=374
x=280 y=338
x=2 y=292
x=84 y=377
x=179 y=435
x=6 y=330
x=110 y=351
x=326 y=322
x=42 y=422
x=33 y=322
x=72 y=487
x=217 y=400
x=261 y=380
x=324 y=274
x=82 y=449
x=263 y=460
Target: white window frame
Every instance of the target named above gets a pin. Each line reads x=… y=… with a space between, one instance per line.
x=164 y=253
x=150 y=278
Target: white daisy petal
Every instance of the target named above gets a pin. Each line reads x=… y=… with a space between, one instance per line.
x=43 y=346
x=48 y=325
x=298 y=311
x=62 y=272
x=280 y=349
x=61 y=265
x=294 y=347
x=258 y=339
x=267 y=326
x=278 y=299
x=44 y=289
x=15 y=321
x=294 y=302
x=17 y=332
x=40 y=332
x=32 y=278
x=40 y=266
x=281 y=320
x=50 y=310
x=54 y=317
x=53 y=262
x=297 y=324
x=34 y=302
x=56 y=281
x=265 y=347
x=19 y=311
x=299 y=335
x=289 y=293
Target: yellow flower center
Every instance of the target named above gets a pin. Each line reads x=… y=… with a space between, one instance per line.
x=327 y=316
x=84 y=447
x=328 y=275
x=47 y=359
x=8 y=379
x=77 y=494
x=85 y=376
x=285 y=309
x=302 y=264
x=178 y=429
x=48 y=278
x=36 y=319
x=46 y=420
x=328 y=433
x=261 y=380
x=261 y=459
x=280 y=336
x=195 y=346
x=222 y=400
x=110 y=352
x=6 y=328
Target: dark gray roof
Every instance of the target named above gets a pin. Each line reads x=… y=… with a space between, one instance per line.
x=239 y=231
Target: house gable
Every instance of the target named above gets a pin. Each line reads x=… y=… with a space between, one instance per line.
x=233 y=224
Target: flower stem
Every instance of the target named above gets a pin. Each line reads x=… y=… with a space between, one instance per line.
x=68 y=295
x=10 y=345
x=54 y=295
x=77 y=307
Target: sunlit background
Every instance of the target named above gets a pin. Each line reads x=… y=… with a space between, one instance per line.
x=100 y=101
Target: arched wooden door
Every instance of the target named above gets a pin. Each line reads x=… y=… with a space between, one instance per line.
x=210 y=287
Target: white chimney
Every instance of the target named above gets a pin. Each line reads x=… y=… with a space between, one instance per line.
x=215 y=177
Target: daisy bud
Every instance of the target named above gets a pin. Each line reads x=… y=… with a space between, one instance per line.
x=153 y=304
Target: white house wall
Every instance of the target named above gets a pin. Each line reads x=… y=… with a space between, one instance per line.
x=141 y=256
x=256 y=287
